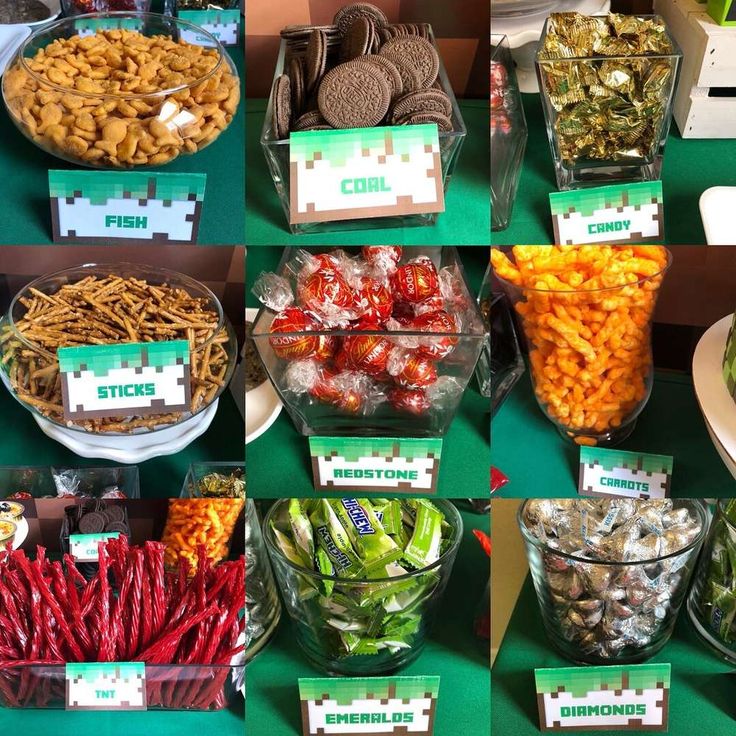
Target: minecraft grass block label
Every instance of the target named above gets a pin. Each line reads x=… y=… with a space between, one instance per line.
x=224 y=25
x=349 y=464
x=630 y=213
x=620 y=698
x=629 y=474
x=365 y=172
x=370 y=706
x=119 y=380
x=85 y=547
x=106 y=686
x=90 y=26
x=125 y=206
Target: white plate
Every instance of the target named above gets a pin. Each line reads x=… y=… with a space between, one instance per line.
x=715 y=402
x=717 y=206
x=133 y=448
x=262 y=403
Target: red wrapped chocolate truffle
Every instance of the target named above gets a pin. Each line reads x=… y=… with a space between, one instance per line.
x=437 y=347
x=416 y=372
x=367 y=353
x=413 y=401
x=384 y=256
x=380 y=303
x=326 y=292
x=294 y=319
x=416 y=281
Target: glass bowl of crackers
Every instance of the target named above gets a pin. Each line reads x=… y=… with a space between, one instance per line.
x=359 y=72
x=121 y=90
x=101 y=304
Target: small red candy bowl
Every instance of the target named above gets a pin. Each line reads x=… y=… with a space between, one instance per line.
x=369 y=343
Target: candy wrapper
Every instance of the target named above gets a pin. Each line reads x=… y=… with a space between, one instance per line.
x=609 y=81
x=483 y=617
x=498 y=479
x=380 y=333
x=611 y=574
x=361 y=578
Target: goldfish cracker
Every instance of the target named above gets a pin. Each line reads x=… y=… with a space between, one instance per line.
x=586 y=312
x=192 y=522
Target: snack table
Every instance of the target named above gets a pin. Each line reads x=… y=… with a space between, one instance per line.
x=701 y=694
x=453 y=652
x=690 y=167
x=538 y=462
x=465 y=221
x=25 y=167
x=162 y=477
x=278 y=461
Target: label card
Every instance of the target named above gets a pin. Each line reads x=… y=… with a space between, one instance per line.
x=338 y=706
x=349 y=464
x=626 y=213
x=90 y=26
x=83 y=547
x=628 y=474
x=620 y=697
x=106 y=686
x=224 y=25
x=358 y=173
x=132 y=378
x=125 y=206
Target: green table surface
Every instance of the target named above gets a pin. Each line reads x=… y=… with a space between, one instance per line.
x=526 y=446
x=690 y=167
x=24 y=189
x=23 y=443
x=701 y=690
x=452 y=652
x=279 y=461
x=466 y=220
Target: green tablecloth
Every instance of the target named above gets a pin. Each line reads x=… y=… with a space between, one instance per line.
x=701 y=694
x=527 y=447
x=466 y=219
x=690 y=167
x=452 y=652
x=24 y=191
x=279 y=462
x=23 y=443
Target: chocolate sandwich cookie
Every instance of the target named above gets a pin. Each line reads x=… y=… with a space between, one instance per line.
x=115 y=513
x=315 y=60
x=281 y=107
x=421 y=118
x=389 y=71
x=92 y=523
x=411 y=79
x=354 y=95
x=358 y=40
x=309 y=120
x=118 y=526
x=346 y=16
x=426 y=100
x=302 y=32
x=418 y=53
x=296 y=79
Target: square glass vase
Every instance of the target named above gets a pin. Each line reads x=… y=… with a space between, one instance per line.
x=277 y=154
x=312 y=417
x=572 y=114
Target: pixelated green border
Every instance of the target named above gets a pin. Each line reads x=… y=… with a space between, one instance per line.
x=580 y=681
x=587 y=201
x=345 y=690
x=354 y=448
x=101 y=359
x=611 y=460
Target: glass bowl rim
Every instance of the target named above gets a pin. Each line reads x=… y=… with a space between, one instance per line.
x=70 y=20
x=512 y=287
x=543 y=547
x=442 y=503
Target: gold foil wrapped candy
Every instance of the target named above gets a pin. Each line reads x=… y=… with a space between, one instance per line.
x=608 y=109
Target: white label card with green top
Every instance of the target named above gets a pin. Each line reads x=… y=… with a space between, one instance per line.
x=341 y=706
x=224 y=25
x=618 y=697
x=125 y=207
x=359 y=173
x=106 y=686
x=120 y=380
x=350 y=464
x=626 y=213
x=85 y=547
x=605 y=472
x=89 y=26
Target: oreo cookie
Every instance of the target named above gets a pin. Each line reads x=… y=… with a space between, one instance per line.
x=92 y=523
x=348 y=14
x=296 y=80
x=281 y=107
x=389 y=71
x=315 y=60
x=419 y=53
x=422 y=118
x=115 y=513
x=426 y=100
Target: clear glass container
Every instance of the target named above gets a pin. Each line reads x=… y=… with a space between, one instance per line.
x=194 y=687
x=324 y=610
x=150 y=123
x=199 y=471
x=21 y=356
x=277 y=157
x=95 y=482
x=37 y=481
x=314 y=417
x=610 y=612
x=712 y=600
x=605 y=392
x=590 y=130
x=82 y=7
x=508 y=133
x=262 y=604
